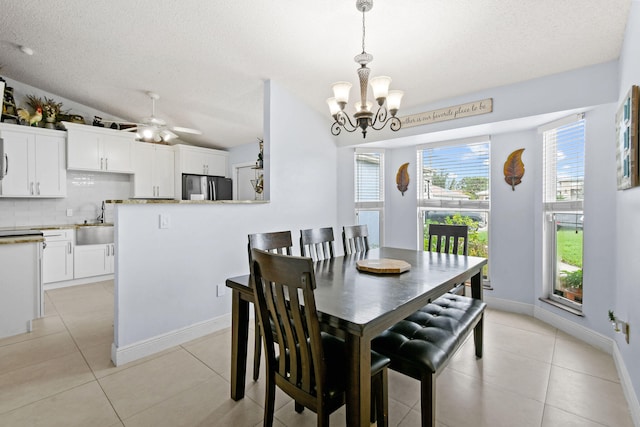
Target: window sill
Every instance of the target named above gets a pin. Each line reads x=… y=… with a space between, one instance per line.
x=562 y=307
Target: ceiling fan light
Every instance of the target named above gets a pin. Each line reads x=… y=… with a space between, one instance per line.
x=147 y=133
x=341 y=92
x=380 y=86
x=166 y=136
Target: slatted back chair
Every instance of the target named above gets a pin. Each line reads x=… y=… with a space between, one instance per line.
x=355 y=238
x=311 y=366
x=317 y=243
x=451 y=239
x=276 y=242
x=447 y=238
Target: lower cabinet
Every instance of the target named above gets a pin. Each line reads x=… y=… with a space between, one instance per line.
x=57 y=256
x=93 y=260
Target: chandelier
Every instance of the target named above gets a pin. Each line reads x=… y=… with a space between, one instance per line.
x=364 y=117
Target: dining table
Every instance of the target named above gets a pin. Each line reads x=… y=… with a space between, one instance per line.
x=358 y=305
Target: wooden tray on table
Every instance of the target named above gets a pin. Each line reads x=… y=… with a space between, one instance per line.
x=383 y=266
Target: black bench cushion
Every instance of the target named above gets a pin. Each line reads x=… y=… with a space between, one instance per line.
x=423 y=342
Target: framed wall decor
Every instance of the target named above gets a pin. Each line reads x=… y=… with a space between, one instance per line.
x=627 y=141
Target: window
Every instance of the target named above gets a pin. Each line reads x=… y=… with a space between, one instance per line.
x=369 y=193
x=454 y=189
x=563 y=192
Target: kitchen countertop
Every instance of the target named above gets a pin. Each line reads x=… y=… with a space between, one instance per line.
x=186 y=202
x=56 y=226
x=20 y=239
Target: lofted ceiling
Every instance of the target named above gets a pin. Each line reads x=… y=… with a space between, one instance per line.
x=208 y=60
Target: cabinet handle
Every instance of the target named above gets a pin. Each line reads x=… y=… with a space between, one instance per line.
x=31 y=186
x=38 y=188
x=69 y=244
x=106 y=164
x=101 y=163
x=6 y=163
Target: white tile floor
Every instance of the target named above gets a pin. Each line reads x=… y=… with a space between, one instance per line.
x=61 y=375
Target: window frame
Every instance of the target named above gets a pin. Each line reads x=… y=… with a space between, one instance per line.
x=552 y=208
x=424 y=205
x=370 y=205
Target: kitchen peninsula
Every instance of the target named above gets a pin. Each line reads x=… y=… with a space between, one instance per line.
x=21 y=286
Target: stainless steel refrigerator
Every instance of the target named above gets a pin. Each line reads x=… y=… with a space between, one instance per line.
x=203 y=187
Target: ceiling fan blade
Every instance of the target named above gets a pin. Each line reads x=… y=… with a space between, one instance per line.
x=187 y=130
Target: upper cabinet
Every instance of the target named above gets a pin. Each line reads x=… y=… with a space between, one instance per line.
x=154 y=167
x=35 y=162
x=201 y=161
x=91 y=148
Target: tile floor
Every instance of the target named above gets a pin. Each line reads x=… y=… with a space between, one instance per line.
x=61 y=375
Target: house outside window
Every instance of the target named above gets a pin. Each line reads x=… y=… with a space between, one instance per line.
x=369 y=193
x=454 y=189
x=563 y=198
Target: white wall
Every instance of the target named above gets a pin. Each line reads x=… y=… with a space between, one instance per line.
x=627 y=218
x=166 y=279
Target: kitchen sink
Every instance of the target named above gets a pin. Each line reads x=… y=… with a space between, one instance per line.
x=94 y=234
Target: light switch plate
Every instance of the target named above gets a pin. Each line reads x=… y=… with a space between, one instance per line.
x=220 y=290
x=69 y=212
x=165 y=221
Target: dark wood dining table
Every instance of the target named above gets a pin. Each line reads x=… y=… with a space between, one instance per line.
x=358 y=306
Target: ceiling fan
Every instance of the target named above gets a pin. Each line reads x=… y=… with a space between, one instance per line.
x=154 y=129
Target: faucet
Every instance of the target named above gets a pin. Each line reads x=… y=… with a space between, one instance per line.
x=100 y=217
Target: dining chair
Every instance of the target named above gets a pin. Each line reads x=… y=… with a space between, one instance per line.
x=355 y=238
x=451 y=239
x=317 y=243
x=310 y=366
x=277 y=242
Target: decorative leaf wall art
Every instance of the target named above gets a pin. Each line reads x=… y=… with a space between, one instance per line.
x=402 y=178
x=514 y=169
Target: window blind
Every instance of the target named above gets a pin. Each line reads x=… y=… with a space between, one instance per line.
x=369 y=177
x=455 y=175
x=563 y=166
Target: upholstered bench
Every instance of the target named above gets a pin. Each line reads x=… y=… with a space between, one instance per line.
x=421 y=345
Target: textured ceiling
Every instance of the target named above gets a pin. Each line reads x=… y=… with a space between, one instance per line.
x=208 y=59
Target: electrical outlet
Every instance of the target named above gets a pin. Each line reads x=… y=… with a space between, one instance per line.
x=165 y=221
x=69 y=212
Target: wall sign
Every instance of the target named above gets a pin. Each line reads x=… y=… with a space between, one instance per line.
x=627 y=140
x=448 y=113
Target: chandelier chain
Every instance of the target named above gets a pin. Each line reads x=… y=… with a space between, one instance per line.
x=363 y=29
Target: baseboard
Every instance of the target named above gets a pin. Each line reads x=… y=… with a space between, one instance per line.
x=135 y=351
x=510 y=306
x=627 y=387
x=574 y=329
x=75 y=282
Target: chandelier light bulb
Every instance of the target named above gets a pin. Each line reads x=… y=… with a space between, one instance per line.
x=393 y=101
x=341 y=92
x=380 y=86
x=334 y=108
x=367 y=107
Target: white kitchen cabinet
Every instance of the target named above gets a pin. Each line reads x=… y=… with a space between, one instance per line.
x=93 y=260
x=201 y=161
x=154 y=167
x=92 y=148
x=57 y=256
x=35 y=162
